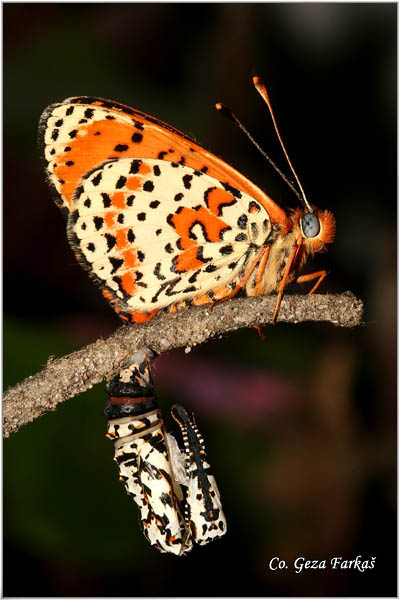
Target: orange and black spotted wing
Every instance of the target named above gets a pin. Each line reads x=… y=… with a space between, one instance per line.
x=155 y=218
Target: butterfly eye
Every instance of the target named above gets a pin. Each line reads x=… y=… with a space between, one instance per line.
x=310 y=225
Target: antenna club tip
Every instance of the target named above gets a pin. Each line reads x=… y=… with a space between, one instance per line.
x=224 y=110
x=258 y=82
x=260 y=85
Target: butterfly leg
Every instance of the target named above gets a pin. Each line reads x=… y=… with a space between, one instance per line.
x=285 y=276
x=259 y=277
x=310 y=276
x=261 y=335
x=262 y=265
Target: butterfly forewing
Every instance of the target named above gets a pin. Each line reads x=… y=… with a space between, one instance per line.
x=87 y=131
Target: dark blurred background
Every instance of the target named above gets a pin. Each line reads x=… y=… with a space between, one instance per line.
x=300 y=429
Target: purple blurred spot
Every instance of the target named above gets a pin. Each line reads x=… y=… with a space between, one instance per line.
x=223 y=389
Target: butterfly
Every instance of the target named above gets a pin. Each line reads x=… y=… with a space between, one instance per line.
x=159 y=222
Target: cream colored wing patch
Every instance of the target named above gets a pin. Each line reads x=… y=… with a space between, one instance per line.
x=156 y=233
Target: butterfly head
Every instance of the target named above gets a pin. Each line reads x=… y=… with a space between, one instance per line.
x=316 y=227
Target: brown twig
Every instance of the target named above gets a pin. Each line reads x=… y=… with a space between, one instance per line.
x=70 y=375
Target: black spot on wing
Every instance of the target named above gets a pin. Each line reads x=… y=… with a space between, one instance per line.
x=232 y=190
x=254 y=229
x=137 y=138
x=187 y=181
x=121 y=148
x=157 y=272
x=106 y=200
x=135 y=165
x=254 y=207
x=226 y=250
x=242 y=221
x=98 y=222
x=121 y=182
x=97 y=178
x=111 y=241
x=148 y=186
x=193 y=277
x=116 y=263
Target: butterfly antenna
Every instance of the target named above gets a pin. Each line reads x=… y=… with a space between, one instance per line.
x=229 y=114
x=262 y=90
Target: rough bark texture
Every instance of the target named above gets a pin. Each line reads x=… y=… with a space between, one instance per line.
x=70 y=375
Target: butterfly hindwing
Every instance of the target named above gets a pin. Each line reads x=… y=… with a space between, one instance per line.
x=155 y=233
